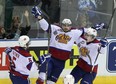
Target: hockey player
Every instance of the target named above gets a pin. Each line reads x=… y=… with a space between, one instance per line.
x=20 y=61
x=61 y=42
x=89 y=47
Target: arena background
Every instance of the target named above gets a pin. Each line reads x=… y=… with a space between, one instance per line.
x=107 y=61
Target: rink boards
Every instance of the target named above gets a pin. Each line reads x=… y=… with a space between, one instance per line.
x=106 y=70
x=98 y=80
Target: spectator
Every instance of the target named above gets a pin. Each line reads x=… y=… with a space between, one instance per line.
x=2 y=33
x=9 y=9
x=5 y=35
x=85 y=14
x=16 y=28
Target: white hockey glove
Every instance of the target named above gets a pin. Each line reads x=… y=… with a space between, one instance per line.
x=7 y=50
x=36 y=11
x=104 y=42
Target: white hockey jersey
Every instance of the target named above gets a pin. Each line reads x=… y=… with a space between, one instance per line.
x=20 y=61
x=60 y=42
x=86 y=62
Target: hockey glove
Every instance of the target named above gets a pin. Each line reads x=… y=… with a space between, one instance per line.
x=104 y=42
x=7 y=50
x=44 y=58
x=36 y=11
x=99 y=26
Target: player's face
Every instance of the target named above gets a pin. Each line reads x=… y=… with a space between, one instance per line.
x=16 y=21
x=66 y=28
x=16 y=24
x=88 y=37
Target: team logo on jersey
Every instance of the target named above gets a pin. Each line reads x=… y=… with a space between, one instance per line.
x=83 y=51
x=63 y=38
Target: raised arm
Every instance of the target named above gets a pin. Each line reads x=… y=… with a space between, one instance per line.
x=26 y=14
x=39 y=15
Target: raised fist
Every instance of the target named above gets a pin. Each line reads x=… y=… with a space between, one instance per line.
x=99 y=26
x=36 y=11
x=104 y=42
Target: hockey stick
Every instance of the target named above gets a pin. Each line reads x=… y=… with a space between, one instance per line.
x=113 y=12
x=46 y=62
x=48 y=53
x=89 y=59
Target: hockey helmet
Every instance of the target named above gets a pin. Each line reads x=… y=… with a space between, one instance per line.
x=69 y=79
x=92 y=32
x=66 y=22
x=24 y=41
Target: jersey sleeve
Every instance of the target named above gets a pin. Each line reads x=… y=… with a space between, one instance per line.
x=44 y=24
x=78 y=36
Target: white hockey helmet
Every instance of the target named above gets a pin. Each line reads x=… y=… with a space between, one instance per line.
x=66 y=21
x=24 y=41
x=92 y=32
x=68 y=79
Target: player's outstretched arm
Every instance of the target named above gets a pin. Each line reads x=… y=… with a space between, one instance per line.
x=39 y=15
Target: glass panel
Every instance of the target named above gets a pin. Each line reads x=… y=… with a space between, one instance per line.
x=2 y=8
x=87 y=13
x=83 y=13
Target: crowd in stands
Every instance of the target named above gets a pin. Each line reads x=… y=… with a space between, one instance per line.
x=12 y=24
x=16 y=30
x=13 y=28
